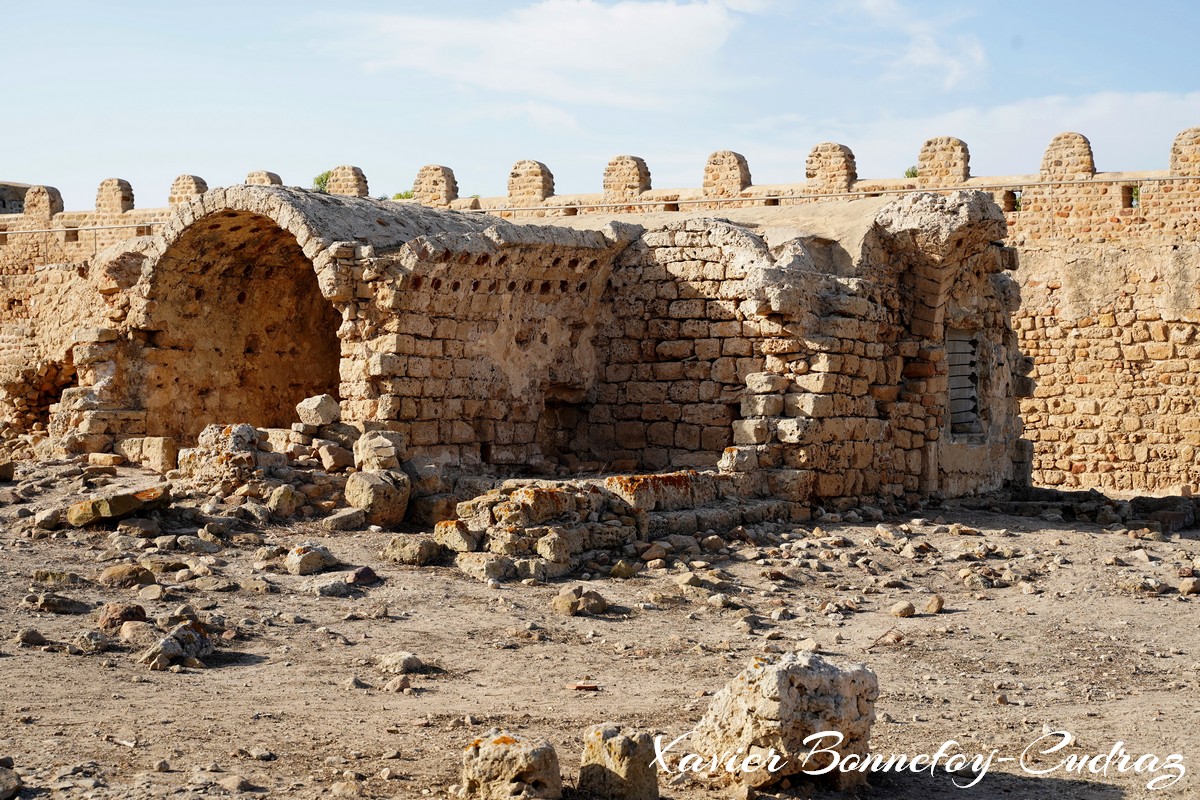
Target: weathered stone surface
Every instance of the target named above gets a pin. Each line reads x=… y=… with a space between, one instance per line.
x=10 y=783
x=618 y=763
x=115 y=615
x=455 y=535
x=122 y=576
x=56 y=603
x=382 y=495
x=187 y=643
x=117 y=506
x=346 y=519
x=485 y=566
x=776 y=704
x=412 y=550
x=400 y=663
x=380 y=450
x=500 y=766
x=308 y=558
x=319 y=410
x=334 y=458
x=285 y=501
x=575 y=601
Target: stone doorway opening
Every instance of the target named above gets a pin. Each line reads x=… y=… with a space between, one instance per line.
x=238 y=330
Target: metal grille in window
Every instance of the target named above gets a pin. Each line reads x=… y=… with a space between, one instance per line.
x=962 y=357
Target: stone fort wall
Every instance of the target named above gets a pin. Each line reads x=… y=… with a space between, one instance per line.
x=1108 y=318
x=1109 y=276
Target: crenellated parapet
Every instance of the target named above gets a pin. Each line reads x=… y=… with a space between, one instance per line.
x=1066 y=198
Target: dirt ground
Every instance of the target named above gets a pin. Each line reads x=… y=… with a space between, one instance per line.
x=295 y=703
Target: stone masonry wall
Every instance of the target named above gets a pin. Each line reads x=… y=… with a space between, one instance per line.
x=1109 y=261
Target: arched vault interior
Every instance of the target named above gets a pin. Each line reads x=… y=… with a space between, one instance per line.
x=238 y=329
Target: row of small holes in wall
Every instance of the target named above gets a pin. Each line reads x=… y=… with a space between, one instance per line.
x=545 y=287
x=482 y=260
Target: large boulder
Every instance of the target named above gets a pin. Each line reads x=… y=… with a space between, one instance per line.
x=383 y=495
x=775 y=705
x=618 y=764
x=500 y=766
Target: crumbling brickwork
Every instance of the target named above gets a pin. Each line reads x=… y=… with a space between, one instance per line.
x=497 y=348
x=1095 y=248
x=644 y=347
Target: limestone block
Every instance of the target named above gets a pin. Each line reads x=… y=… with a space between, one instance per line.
x=775 y=705
x=228 y=438
x=415 y=551
x=383 y=495
x=485 y=566
x=455 y=535
x=158 y=453
x=285 y=501
x=499 y=766
x=319 y=410
x=377 y=450
x=618 y=764
x=766 y=383
x=334 y=458
x=308 y=558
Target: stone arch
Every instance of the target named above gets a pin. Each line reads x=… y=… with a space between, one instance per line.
x=625 y=178
x=944 y=161
x=1069 y=155
x=831 y=168
x=1185 y=153
x=235 y=328
x=726 y=174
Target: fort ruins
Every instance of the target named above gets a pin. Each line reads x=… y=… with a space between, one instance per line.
x=765 y=348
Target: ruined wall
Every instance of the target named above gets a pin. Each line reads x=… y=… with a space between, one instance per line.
x=508 y=348
x=462 y=340
x=1109 y=285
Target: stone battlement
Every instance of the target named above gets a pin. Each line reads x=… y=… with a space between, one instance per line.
x=1065 y=198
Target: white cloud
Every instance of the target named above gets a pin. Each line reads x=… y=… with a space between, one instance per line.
x=1128 y=131
x=929 y=47
x=624 y=54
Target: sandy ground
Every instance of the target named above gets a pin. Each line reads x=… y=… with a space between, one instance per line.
x=1068 y=645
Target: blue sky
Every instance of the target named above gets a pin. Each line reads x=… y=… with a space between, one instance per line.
x=146 y=91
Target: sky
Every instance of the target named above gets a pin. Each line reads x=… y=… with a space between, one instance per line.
x=146 y=90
